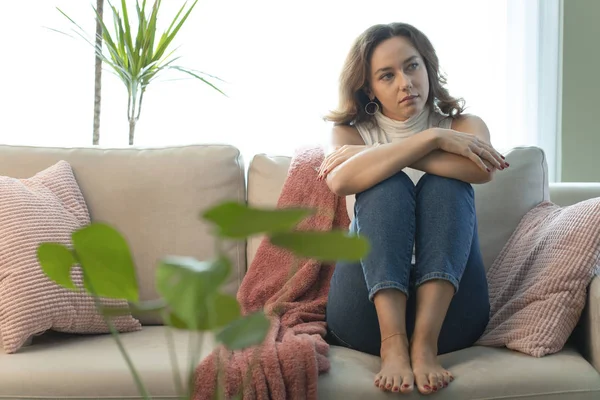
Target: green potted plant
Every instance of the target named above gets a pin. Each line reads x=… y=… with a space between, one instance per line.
x=137 y=55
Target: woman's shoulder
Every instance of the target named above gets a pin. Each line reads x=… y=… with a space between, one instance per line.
x=467 y=121
x=455 y=122
x=347 y=134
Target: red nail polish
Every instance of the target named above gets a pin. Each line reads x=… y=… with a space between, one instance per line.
x=504 y=158
x=426 y=387
x=435 y=388
x=507 y=164
x=488 y=170
x=445 y=384
x=406 y=386
x=395 y=389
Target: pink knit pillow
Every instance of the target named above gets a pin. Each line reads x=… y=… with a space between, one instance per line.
x=45 y=208
x=538 y=282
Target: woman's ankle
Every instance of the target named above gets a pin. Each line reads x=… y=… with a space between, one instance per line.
x=424 y=344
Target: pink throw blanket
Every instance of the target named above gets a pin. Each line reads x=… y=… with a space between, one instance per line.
x=294 y=352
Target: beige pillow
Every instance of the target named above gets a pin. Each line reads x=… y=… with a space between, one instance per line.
x=538 y=282
x=45 y=208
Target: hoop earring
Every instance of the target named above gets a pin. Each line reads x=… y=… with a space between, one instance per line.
x=370 y=105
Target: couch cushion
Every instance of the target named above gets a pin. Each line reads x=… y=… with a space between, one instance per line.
x=480 y=372
x=152 y=196
x=47 y=207
x=58 y=366
x=266 y=176
x=500 y=204
x=538 y=282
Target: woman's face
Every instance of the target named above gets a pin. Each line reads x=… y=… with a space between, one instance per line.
x=398 y=78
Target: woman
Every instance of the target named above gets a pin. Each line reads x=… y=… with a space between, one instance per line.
x=405 y=148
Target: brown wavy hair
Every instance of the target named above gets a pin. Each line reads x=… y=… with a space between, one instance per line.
x=354 y=78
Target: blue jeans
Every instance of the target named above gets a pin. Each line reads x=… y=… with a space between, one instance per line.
x=438 y=217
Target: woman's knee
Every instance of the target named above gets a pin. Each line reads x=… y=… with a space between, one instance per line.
x=440 y=184
x=396 y=185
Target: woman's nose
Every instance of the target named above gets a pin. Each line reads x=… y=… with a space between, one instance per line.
x=404 y=81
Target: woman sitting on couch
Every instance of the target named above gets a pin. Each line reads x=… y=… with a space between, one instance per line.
x=403 y=146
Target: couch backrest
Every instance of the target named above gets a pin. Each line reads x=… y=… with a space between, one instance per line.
x=152 y=196
x=500 y=204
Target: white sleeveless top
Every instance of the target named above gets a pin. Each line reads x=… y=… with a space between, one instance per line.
x=387 y=130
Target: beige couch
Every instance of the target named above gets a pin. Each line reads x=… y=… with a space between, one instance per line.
x=154 y=197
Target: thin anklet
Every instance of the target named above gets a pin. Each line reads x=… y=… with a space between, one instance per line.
x=392 y=335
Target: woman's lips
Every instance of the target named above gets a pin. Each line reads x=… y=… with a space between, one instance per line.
x=409 y=98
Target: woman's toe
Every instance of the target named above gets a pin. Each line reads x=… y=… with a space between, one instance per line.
x=433 y=382
x=397 y=382
x=422 y=383
x=407 y=384
x=383 y=383
x=377 y=380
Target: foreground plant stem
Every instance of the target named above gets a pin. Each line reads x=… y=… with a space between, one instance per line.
x=136 y=377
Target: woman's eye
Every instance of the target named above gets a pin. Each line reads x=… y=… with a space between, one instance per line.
x=386 y=76
x=413 y=66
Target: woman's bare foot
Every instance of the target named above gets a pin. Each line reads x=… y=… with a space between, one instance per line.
x=396 y=375
x=429 y=374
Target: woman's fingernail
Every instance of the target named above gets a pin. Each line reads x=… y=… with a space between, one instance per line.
x=507 y=164
x=426 y=387
x=406 y=386
x=504 y=158
x=396 y=389
x=487 y=169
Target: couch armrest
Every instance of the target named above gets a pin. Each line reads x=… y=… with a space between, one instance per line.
x=567 y=193
x=589 y=326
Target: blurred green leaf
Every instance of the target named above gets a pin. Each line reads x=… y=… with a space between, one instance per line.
x=245 y=332
x=114 y=311
x=187 y=284
x=106 y=261
x=324 y=246
x=147 y=307
x=224 y=309
x=174 y=321
x=56 y=262
x=236 y=220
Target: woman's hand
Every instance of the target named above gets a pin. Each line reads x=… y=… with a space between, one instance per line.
x=471 y=147
x=338 y=156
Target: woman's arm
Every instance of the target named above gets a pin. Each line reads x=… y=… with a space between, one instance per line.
x=372 y=165
x=450 y=165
